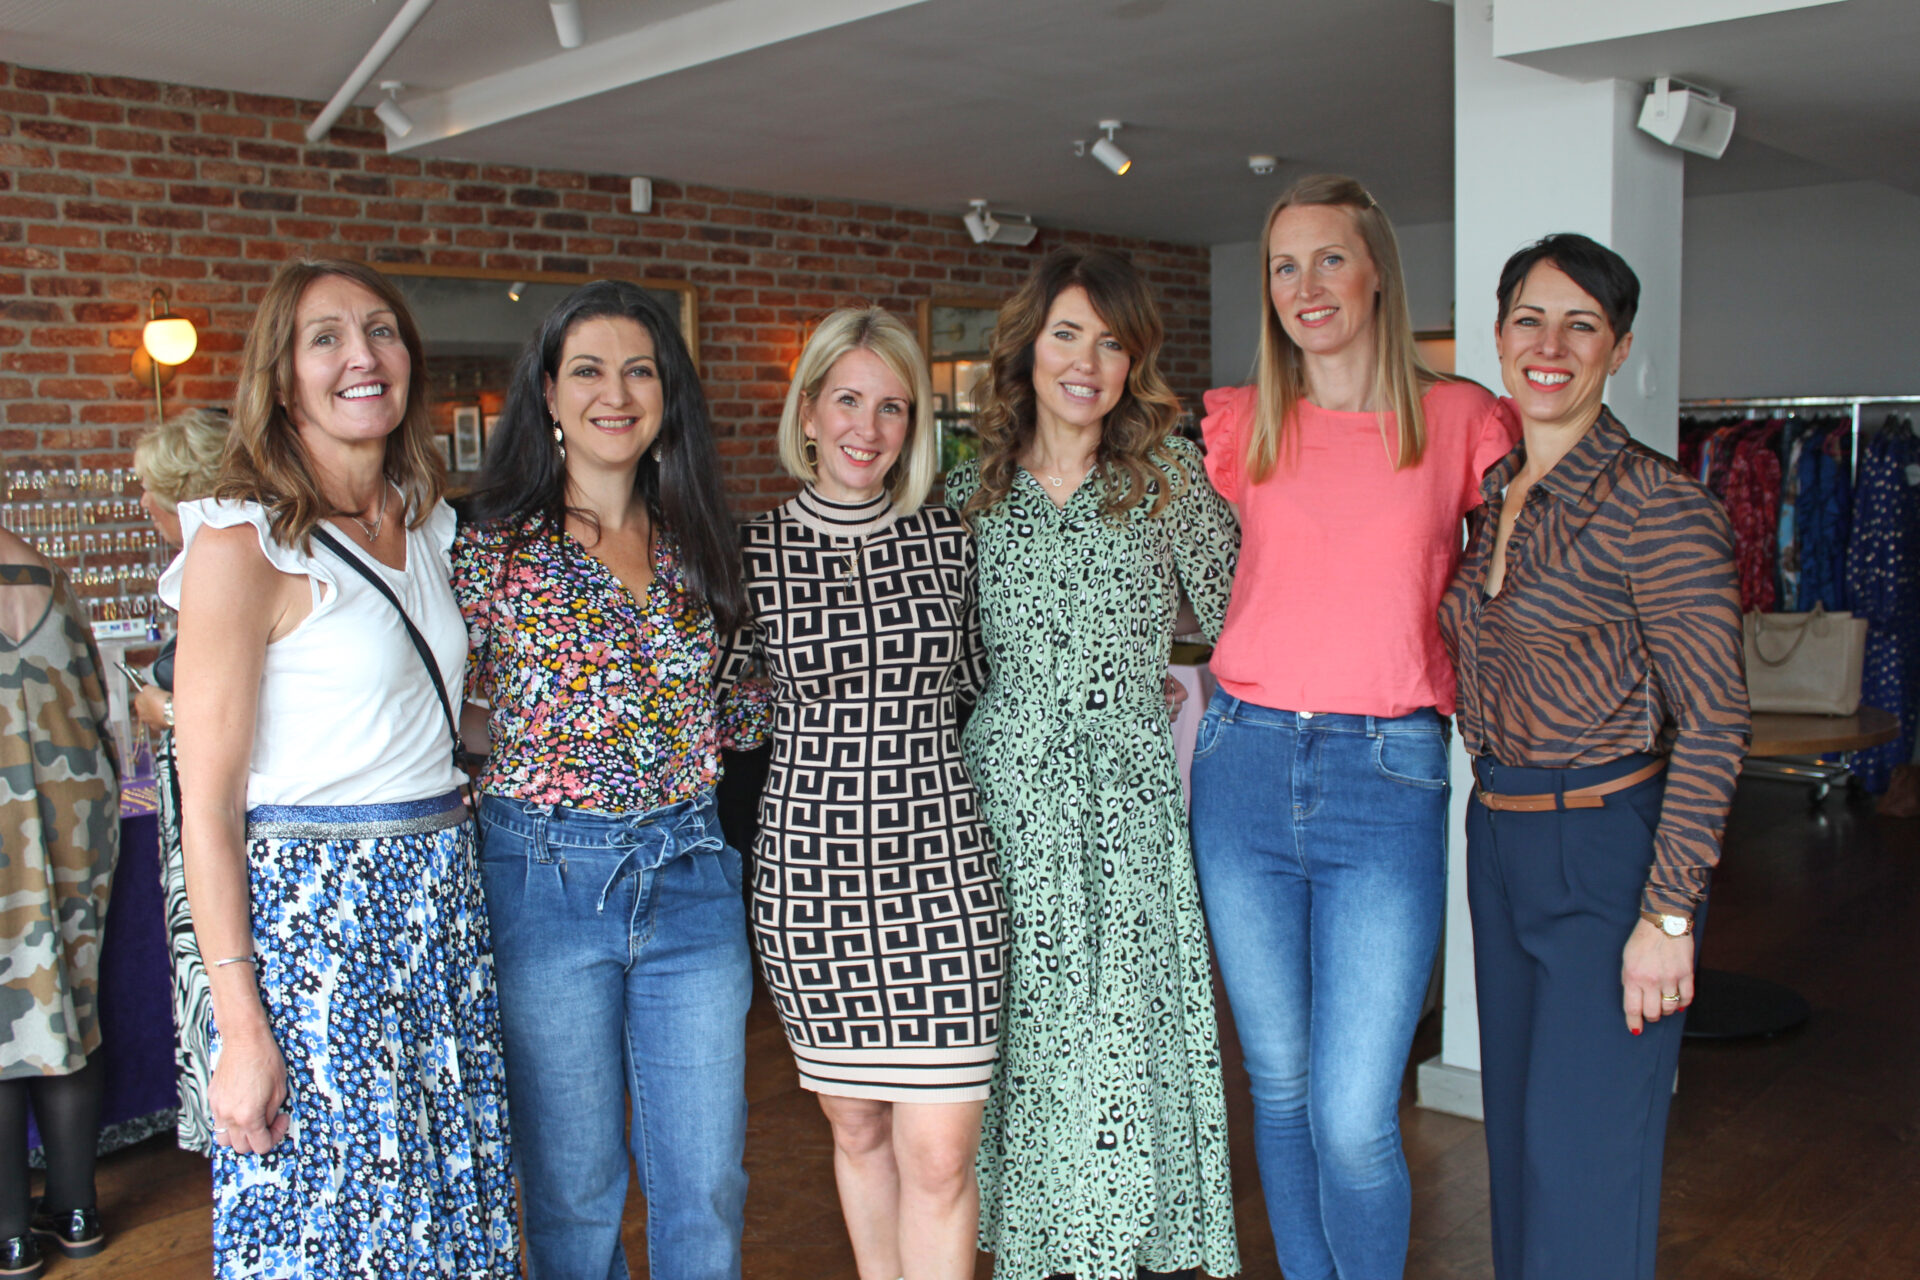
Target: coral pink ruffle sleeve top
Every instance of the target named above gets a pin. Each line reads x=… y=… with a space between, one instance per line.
x=1343 y=560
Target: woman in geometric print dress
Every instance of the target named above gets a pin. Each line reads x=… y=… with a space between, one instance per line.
x=59 y=840
x=358 y=1094
x=877 y=909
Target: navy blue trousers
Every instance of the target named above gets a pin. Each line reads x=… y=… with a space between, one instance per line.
x=1576 y=1105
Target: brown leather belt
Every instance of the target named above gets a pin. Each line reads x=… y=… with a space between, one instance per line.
x=1593 y=797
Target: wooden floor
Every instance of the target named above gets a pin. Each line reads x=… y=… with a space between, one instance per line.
x=1796 y=1158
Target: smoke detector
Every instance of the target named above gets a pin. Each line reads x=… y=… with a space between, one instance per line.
x=1262 y=165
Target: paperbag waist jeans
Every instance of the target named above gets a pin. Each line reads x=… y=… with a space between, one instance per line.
x=620 y=947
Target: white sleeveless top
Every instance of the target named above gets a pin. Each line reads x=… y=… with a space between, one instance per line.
x=347 y=715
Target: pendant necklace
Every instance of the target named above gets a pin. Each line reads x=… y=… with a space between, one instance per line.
x=379 y=521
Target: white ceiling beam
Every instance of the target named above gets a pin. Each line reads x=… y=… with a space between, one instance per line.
x=708 y=34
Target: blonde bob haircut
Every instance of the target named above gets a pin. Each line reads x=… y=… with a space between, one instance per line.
x=179 y=460
x=871 y=329
x=1400 y=376
x=265 y=462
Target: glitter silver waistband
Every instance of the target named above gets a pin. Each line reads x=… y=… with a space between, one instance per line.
x=355 y=821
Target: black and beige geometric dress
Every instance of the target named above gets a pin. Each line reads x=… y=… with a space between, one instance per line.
x=877 y=911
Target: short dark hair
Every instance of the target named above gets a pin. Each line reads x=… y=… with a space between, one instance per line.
x=1604 y=274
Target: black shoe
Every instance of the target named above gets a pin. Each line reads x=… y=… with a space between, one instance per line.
x=20 y=1257
x=75 y=1232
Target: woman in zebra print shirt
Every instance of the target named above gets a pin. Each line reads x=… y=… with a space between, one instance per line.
x=1595 y=628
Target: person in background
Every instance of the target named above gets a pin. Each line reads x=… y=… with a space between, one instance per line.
x=59 y=841
x=358 y=1095
x=1320 y=768
x=177 y=462
x=1104 y=1148
x=1595 y=626
x=878 y=913
x=598 y=571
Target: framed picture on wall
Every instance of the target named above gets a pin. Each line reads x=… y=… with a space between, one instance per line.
x=466 y=438
x=487 y=424
x=444 y=443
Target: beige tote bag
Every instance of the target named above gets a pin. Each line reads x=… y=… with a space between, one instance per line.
x=1805 y=663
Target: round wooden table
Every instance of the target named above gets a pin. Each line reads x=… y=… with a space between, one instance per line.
x=1730 y=1005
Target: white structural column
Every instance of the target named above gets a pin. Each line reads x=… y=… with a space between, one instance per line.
x=1536 y=153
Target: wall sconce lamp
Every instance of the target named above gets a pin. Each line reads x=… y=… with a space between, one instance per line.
x=167 y=341
x=1106 y=150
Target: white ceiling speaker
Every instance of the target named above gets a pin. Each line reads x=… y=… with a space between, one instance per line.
x=398 y=122
x=1107 y=151
x=987 y=227
x=1262 y=165
x=567 y=23
x=1687 y=116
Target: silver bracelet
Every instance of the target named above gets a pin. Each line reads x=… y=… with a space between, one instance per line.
x=221 y=964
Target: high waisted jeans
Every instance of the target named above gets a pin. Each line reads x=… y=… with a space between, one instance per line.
x=620 y=945
x=1321 y=845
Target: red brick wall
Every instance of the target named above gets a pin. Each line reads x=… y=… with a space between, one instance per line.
x=109 y=187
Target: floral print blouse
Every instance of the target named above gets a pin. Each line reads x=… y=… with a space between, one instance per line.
x=599 y=701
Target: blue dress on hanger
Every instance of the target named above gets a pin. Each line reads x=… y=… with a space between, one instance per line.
x=1883 y=580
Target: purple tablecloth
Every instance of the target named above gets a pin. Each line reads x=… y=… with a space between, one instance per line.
x=136 y=1007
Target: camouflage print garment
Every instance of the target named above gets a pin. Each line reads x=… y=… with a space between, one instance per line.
x=59 y=828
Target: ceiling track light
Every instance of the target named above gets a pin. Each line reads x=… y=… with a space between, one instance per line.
x=398 y=122
x=568 y=24
x=515 y=289
x=987 y=227
x=1106 y=150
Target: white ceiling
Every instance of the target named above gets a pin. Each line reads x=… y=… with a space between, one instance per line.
x=929 y=103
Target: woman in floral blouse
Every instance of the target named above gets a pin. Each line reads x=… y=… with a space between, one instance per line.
x=596 y=573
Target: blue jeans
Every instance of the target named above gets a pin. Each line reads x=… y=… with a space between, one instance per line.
x=1321 y=845
x=620 y=948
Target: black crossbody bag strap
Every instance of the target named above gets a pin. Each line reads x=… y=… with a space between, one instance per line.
x=420 y=647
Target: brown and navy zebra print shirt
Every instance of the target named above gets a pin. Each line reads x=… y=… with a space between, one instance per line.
x=1617 y=630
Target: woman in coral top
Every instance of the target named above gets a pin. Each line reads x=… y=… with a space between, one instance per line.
x=1320 y=770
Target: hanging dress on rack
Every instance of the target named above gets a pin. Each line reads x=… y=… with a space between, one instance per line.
x=1884 y=587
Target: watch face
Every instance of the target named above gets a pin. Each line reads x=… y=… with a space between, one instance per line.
x=1675 y=926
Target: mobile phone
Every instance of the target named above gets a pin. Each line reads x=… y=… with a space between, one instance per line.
x=134 y=678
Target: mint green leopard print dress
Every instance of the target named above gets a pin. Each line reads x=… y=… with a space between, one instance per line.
x=1104 y=1145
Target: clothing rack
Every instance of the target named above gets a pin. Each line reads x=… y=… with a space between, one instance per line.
x=1807 y=769
x=1854 y=404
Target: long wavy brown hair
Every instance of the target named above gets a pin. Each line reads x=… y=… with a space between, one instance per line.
x=1400 y=376
x=1132 y=457
x=264 y=461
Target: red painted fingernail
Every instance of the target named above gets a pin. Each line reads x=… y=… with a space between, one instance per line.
x=1635 y=1030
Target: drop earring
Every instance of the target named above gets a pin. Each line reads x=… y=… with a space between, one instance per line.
x=559 y=438
x=810 y=451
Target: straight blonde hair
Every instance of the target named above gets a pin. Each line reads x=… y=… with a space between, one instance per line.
x=265 y=463
x=868 y=328
x=1400 y=376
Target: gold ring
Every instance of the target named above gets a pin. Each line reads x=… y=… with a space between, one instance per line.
x=1674 y=998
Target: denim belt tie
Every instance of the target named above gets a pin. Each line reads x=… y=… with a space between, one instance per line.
x=633 y=842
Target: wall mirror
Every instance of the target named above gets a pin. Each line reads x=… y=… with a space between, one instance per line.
x=474 y=323
x=956 y=332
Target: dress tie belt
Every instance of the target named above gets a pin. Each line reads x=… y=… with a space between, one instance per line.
x=1593 y=797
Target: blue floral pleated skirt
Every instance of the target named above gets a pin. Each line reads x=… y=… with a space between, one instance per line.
x=376 y=971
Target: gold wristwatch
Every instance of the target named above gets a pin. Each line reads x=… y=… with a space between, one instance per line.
x=1672 y=926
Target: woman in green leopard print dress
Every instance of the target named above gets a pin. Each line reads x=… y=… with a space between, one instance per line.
x=1105 y=1146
